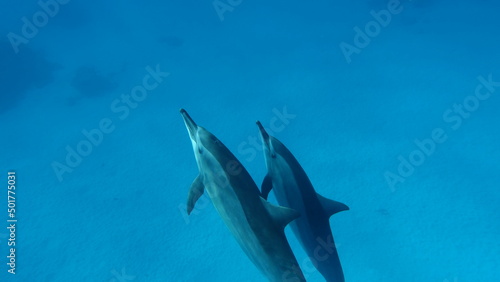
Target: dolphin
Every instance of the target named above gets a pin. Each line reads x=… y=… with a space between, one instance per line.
x=257 y=225
x=293 y=189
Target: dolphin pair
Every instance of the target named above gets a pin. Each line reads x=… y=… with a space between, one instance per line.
x=257 y=225
x=293 y=189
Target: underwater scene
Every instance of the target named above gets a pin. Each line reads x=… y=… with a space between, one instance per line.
x=234 y=140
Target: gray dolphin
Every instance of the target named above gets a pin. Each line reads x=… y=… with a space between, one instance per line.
x=257 y=225
x=293 y=189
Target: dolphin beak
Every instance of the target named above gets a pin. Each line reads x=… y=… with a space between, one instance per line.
x=263 y=133
x=191 y=126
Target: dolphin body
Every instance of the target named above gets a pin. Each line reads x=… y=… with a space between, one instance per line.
x=293 y=189
x=257 y=225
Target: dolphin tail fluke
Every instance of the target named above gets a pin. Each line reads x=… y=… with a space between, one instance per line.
x=195 y=193
x=280 y=215
x=331 y=207
x=266 y=186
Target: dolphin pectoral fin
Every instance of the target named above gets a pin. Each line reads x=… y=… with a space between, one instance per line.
x=195 y=193
x=267 y=185
x=331 y=207
x=280 y=215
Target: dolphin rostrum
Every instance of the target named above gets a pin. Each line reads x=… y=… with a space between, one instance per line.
x=293 y=189
x=257 y=225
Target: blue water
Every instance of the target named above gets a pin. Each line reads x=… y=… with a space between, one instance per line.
x=115 y=212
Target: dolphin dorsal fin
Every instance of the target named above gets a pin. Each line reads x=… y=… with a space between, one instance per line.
x=280 y=215
x=331 y=207
x=197 y=189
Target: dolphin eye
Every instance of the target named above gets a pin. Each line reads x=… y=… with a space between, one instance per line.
x=216 y=141
x=273 y=155
x=200 y=150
